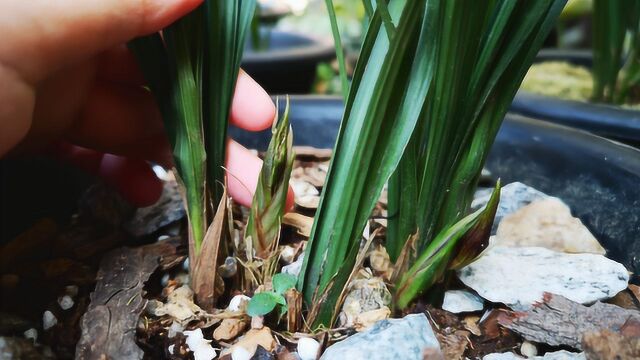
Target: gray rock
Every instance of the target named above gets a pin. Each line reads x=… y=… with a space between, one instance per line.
x=556 y=355
x=512 y=197
x=390 y=339
x=518 y=277
x=458 y=301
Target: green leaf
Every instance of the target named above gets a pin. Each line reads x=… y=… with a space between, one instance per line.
x=228 y=22
x=344 y=81
x=282 y=282
x=469 y=235
x=437 y=92
x=263 y=303
x=361 y=166
x=270 y=198
x=192 y=70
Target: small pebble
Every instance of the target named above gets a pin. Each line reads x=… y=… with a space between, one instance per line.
x=238 y=303
x=295 y=267
x=170 y=348
x=185 y=265
x=174 y=329
x=257 y=322
x=165 y=280
x=161 y=173
x=65 y=302
x=48 y=320
x=31 y=334
x=528 y=349
x=163 y=237
x=287 y=254
x=201 y=348
x=229 y=268
x=240 y=353
x=308 y=348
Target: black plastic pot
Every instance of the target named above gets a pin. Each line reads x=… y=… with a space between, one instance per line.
x=288 y=66
x=609 y=121
x=598 y=178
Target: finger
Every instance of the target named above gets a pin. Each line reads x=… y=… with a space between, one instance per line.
x=122 y=120
x=243 y=169
x=118 y=65
x=125 y=120
x=252 y=108
x=133 y=179
x=40 y=36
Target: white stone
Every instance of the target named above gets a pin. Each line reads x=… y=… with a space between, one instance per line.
x=295 y=267
x=287 y=254
x=459 y=301
x=175 y=329
x=518 y=277
x=31 y=334
x=528 y=349
x=201 y=348
x=65 y=302
x=303 y=188
x=164 y=281
x=308 y=348
x=48 y=320
x=389 y=339
x=238 y=303
x=513 y=196
x=170 y=348
x=240 y=353
x=556 y=355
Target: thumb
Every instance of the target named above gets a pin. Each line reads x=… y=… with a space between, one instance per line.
x=41 y=36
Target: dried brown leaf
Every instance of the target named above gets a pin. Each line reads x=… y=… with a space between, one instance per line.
x=205 y=280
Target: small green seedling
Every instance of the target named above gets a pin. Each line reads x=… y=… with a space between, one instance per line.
x=264 y=302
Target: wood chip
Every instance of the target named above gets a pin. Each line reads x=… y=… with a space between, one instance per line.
x=165 y=211
x=454 y=345
x=229 y=329
x=471 y=323
x=559 y=321
x=109 y=325
x=301 y=223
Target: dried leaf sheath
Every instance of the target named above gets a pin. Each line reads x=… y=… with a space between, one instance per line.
x=269 y=200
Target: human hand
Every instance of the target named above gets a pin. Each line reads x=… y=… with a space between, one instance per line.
x=66 y=75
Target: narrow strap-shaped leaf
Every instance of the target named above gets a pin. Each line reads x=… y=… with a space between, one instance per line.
x=346 y=200
x=344 y=81
x=227 y=24
x=188 y=150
